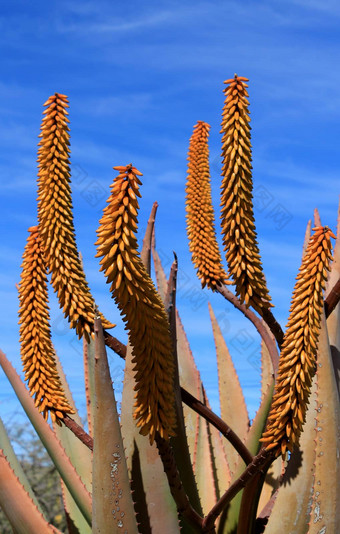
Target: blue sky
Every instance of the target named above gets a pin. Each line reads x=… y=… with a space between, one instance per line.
x=139 y=75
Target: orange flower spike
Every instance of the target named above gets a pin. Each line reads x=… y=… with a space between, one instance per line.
x=200 y=215
x=238 y=228
x=140 y=305
x=56 y=219
x=299 y=349
x=37 y=352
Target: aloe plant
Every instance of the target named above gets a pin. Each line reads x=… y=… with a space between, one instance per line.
x=167 y=462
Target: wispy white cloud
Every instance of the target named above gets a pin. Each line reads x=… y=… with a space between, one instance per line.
x=119 y=25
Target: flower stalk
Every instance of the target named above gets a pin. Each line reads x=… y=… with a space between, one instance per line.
x=200 y=214
x=56 y=219
x=140 y=305
x=238 y=226
x=299 y=349
x=37 y=352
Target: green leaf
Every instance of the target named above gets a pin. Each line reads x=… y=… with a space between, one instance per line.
x=229 y=518
x=271 y=483
x=50 y=441
x=17 y=505
x=155 y=508
x=291 y=510
x=203 y=465
x=189 y=379
x=267 y=371
x=88 y=354
x=162 y=282
x=333 y=321
x=146 y=248
x=113 y=509
x=325 y=514
x=233 y=406
x=11 y=457
x=220 y=467
x=188 y=372
x=80 y=456
x=307 y=237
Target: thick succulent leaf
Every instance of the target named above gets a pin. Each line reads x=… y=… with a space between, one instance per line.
x=155 y=507
x=220 y=466
x=212 y=475
x=50 y=441
x=80 y=456
x=259 y=421
x=188 y=372
x=162 y=282
x=307 y=237
x=6 y=447
x=267 y=371
x=229 y=518
x=333 y=321
x=191 y=381
x=317 y=220
x=17 y=505
x=325 y=514
x=146 y=249
x=113 y=509
x=233 y=406
x=291 y=510
x=179 y=442
x=271 y=483
x=88 y=353
x=204 y=464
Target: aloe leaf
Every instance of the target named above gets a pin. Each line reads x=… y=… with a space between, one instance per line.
x=88 y=357
x=80 y=456
x=6 y=446
x=267 y=371
x=50 y=441
x=113 y=509
x=179 y=442
x=155 y=508
x=229 y=518
x=325 y=514
x=18 y=506
x=146 y=248
x=162 y=282
x=333 y=321
x=188 y=372
x=189 y=375
x=291 y=510
x=220 y=466
x=203 y=465
x=233 y=406
x=307 y=236
x=317 y=220
x=271 y=483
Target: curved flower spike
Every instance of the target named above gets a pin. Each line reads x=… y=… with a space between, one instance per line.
x=238 y=228
x=298 y=355
x=37 y=352
x=141 y=307
x=56 y=219
x=200 y=214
